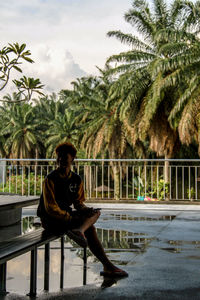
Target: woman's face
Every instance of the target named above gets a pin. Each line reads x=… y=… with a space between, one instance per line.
x=65 y=160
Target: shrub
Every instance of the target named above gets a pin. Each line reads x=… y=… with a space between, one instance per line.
x=28 y=185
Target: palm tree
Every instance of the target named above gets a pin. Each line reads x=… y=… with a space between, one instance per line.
x=102 y=131
x=61 y=129
x=179 y=69
x=48 y=107
x=146 y=95
x=182 y=74
x=15 y=97
x=20 y=128
x=4 y=112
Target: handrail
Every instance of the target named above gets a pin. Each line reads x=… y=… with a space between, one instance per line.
x=106 y=159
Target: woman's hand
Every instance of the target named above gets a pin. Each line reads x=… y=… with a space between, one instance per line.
x=90 y=211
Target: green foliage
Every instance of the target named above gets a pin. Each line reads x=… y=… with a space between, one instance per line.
x=191 y=193
x=161 y=190
x=100 y=128
x=62 y=129
x=21 y=129
x=166 y=46
x=28 y=86
x=23 y=185
x=138 y=185
x=146 y=99
x=11 y=57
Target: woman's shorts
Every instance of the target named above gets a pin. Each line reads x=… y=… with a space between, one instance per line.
x=55 y=225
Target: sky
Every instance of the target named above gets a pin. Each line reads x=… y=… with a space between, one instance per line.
x=67 y=38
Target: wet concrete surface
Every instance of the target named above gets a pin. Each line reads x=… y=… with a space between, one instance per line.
x=160 y=249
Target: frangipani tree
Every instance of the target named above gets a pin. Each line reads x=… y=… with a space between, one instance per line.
x=28 y=86
x=11 y=58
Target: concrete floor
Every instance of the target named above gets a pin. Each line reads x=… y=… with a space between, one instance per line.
x=166 y=268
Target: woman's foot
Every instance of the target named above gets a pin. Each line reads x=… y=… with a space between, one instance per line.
x=113 y=272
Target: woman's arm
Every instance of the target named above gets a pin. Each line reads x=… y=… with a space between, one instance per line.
x=50 y=204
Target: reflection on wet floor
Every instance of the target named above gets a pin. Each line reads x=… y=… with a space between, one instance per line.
x=28 y=224
x=123 y=241
x=120 y=239
x=172 y=250
x=132 y=218
x=115 y=239
x=108 y=282
x=184 y=245
x=172 y=242
x=120 y=246
x=111 y=239
x=117 y=243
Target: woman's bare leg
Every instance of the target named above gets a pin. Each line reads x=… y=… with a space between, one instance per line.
x=89 y=231
x=88 y=223
x=97 y=249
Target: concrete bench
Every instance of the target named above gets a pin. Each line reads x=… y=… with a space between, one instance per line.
x=30 y=242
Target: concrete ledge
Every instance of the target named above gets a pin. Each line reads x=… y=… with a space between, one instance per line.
x=10 y=216
x=144 y=206
x=126 y=201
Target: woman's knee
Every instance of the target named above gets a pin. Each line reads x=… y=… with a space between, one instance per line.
x=91 y=231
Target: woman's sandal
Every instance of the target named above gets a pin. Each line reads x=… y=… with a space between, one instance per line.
x=114 y=273
x=78 y=237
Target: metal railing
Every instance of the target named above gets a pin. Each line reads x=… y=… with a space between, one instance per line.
x=141 y=179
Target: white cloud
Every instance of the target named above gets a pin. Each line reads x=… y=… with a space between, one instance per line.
x=67 y=38
x=57 y=69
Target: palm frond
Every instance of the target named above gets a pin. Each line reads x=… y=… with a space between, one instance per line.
x=161 y=13
x=187 y=127
x=130 y=40
x=99 y=140
x=141 y=19
x=132 y=56
x=190 y=93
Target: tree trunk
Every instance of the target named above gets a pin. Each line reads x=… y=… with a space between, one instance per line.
x=116 y=175
x=166 y=170
x=166 y=178
x=87 y=181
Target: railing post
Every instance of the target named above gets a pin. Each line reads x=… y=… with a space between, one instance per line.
x=84 y=266
x=46 y=267
x=62 y=258
x=33 y=272
x=3 y=268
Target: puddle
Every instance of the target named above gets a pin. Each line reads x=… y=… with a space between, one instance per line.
x=131 y=218
x=120 y=246
x=111 y=239
x=9 y=278
x=180 y=243
x=28 y=224
x=120 y=239
x=172 y=250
